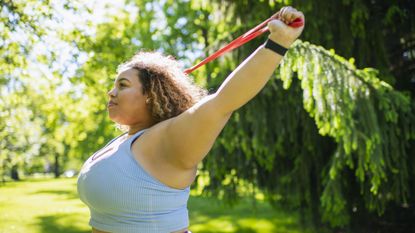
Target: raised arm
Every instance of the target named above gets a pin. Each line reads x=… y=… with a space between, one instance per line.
x=188 y=137
x=252 y=75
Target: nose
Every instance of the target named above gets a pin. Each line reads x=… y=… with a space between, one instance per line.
x=112 y=92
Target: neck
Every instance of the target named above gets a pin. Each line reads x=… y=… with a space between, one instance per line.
x=134 y=129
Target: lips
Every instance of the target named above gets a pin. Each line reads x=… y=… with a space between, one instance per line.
x=111 y=103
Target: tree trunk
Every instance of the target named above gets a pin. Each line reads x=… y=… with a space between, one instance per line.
x=14 y=173
x=56 y=167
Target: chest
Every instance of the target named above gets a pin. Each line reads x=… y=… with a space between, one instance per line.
x=112 y=180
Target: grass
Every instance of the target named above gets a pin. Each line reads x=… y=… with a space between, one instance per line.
x=52 y=206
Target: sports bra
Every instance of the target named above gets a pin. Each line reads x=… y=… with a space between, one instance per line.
x=123 y=198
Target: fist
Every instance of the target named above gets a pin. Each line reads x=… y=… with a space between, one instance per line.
x=281 y=32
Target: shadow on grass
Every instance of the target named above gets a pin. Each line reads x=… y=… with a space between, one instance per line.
x=10 y=184
x=62 y=224
x=69 y=194
x=244 y=217
x=59 y=223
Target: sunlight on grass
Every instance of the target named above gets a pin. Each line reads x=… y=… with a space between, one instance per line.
x=52 y=206
x=42 y=206
x=208 y=215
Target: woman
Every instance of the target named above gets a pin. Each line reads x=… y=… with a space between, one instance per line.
x=139 y=182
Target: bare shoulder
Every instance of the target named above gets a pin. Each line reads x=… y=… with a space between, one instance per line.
x=172 y=149
x=187 y=138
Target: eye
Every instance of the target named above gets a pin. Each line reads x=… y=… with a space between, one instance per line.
x=122 y=85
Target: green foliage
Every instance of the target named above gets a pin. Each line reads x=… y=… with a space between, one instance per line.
x=371 y=123
x=42 y=115
x=20 y=130
x=355 y=154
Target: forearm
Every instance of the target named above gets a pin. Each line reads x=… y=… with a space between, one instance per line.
x=247 y=79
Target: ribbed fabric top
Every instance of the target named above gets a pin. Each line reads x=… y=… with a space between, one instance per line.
x=124 y=198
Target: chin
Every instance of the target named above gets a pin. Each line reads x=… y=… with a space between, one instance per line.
x=113 y=117
x=117 y=120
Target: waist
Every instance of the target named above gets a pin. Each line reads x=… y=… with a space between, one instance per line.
x=179 y=231
x=137 y=222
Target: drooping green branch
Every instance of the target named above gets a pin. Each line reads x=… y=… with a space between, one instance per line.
x=369 y=120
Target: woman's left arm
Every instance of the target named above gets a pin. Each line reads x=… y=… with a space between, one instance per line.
x=188 y=137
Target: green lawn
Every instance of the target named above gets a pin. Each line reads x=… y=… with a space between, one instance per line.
x=52 y=206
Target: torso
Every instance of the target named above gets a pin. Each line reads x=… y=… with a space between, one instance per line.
x=153 y=164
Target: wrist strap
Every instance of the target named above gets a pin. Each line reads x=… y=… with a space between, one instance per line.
x=275 y=47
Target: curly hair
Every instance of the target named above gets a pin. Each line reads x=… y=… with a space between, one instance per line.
x=170 y=91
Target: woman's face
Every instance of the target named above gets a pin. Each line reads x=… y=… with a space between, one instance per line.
x=127 y=103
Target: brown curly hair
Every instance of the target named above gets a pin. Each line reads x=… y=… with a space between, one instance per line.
x=170 y=91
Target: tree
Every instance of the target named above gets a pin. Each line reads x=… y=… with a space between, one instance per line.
x=19 y=32
x=355 y=157
x=42 y=113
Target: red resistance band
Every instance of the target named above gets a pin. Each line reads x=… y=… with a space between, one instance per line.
x=251 y=34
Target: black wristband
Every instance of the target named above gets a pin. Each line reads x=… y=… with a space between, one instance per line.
x=275 y=47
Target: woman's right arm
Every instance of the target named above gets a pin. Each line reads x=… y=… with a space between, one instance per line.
x=248 y=79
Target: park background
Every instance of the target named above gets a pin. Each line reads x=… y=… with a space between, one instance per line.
x=327 y=146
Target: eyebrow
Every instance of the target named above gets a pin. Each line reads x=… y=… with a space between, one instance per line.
x=122 y=79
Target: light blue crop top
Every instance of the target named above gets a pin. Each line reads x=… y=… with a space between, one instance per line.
x=123 y=198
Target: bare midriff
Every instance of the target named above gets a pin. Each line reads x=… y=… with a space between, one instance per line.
x=98 y=231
